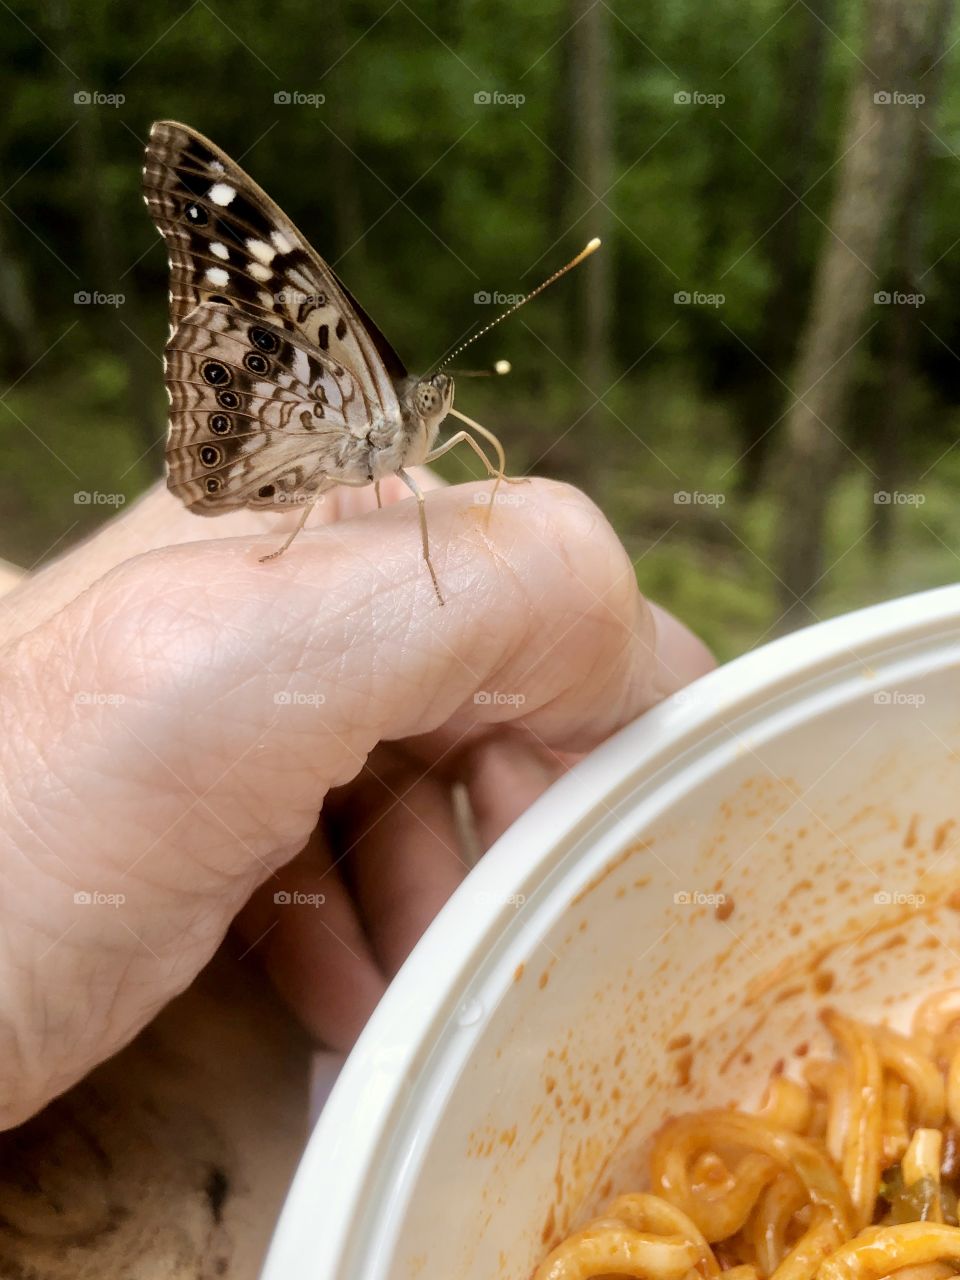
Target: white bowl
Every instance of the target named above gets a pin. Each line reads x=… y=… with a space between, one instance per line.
x=583 y=983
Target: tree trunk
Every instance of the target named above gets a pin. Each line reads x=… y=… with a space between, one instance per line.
x=761 y=402
x=593 y=162
x=870 y=191
x=903 y=322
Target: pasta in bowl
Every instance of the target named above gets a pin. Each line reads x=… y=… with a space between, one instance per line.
x=849 y=1173
x=644 y=945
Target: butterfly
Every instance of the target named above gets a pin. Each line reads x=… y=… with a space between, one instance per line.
x=280 y=384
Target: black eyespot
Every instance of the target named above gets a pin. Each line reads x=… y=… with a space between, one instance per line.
x=265 y=340
x=210 y=455
x=218 y=297
x=267 y=491
x=220 y=423
x=215 y=373
x=256 y=363
x=211 y=484
x=228 y=400
x=197 y=214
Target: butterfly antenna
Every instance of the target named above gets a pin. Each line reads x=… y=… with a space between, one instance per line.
x=574 y=262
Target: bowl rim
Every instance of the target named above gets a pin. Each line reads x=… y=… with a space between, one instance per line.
x=342 y=1155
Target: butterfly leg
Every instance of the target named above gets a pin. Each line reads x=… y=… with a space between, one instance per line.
x=414 y=488
x=464 y=437
x=296 y=529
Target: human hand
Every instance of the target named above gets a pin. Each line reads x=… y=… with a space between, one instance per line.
x=175 y=713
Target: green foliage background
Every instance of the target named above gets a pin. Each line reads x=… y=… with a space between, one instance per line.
x=423 y=197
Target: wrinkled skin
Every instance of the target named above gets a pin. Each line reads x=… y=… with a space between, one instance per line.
x=151 y=745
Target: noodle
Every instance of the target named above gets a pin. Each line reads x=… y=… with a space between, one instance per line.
x=851 y=1174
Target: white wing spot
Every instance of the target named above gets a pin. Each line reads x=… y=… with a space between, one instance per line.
x=220 y=250
x=216 y=167
x=217 y=275
x=281 y=243
x=261 y=251
x=259 y=272
x=221 y=193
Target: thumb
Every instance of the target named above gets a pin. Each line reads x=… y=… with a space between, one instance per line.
x=170 y=735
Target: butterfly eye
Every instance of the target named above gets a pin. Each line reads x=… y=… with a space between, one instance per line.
x=256 y=363
x=220 y=424
x=211 y=484
x=210 y=455
x=215 y=373
x=267 y=491
x=228 y=400
x=197 y=215
x=265 y=340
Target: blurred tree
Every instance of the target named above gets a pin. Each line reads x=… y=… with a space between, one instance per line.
x=593 y=174
x=902 y=323
x=876 y=151
x=801 y=61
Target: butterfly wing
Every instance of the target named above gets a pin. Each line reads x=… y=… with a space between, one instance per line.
x=258 y=417
x=230 y=244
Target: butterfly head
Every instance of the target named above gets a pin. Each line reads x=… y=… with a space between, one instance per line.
x=433 y=397
x=428 y=401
